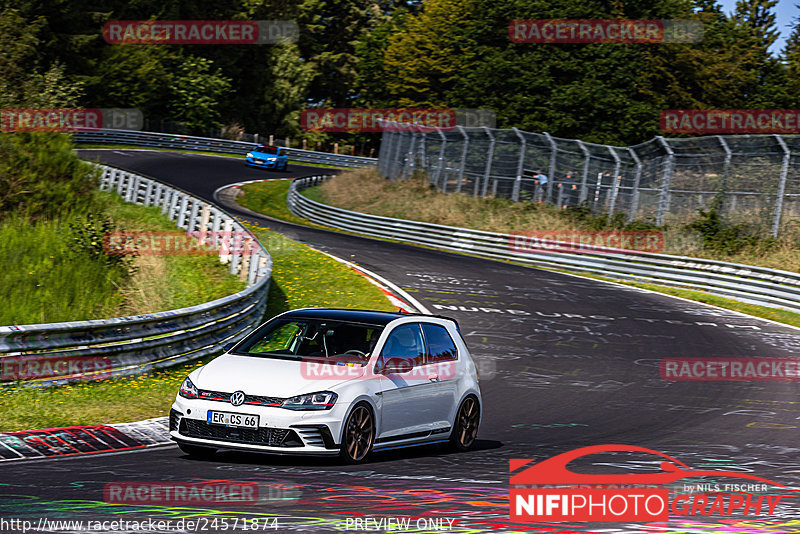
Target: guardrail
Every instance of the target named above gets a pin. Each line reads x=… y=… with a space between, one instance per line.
x=208 y=144
x=745 y=283
x=131 y=345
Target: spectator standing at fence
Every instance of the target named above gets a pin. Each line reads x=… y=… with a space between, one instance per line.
x=568 y=191
x=540 y=179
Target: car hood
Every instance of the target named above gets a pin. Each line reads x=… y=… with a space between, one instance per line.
x=264 y=155
x=271 y=377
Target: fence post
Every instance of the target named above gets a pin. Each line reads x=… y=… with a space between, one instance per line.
x=726 y=166
x=585 y=179
x=615 y=186
x=409 y=162
x=490 y=157
x=520 y=167
x=637 y=177
x=787 y=155
x=440 y=164
x=423 y=150
x=664 y=196
x=396 y=159
x=463 y=164
x=551 y=169
x=385 y=151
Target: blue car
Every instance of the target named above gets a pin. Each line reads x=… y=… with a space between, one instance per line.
x=269 y=157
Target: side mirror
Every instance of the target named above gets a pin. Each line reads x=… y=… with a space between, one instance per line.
x=228 y=346
x=396 y=366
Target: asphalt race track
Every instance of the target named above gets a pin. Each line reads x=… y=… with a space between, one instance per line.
x=565 y=362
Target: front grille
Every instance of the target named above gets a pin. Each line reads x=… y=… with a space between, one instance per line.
x=258 y=400
x=273 y=437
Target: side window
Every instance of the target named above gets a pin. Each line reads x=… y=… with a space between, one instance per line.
x=405 y=342
x=440 y=345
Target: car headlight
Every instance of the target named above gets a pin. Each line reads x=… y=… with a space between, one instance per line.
x=188 y=390
x=249 y=155
x=323 y=400
x=271 y=159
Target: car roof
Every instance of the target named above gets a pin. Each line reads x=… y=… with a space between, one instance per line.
x=363 y=316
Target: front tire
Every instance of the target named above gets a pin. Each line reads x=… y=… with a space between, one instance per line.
x=358 y=435
x=465 y=427
x=196 y=451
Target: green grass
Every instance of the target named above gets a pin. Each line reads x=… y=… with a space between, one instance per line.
x=269 y=198
x=43 y=279
x=301 y=277
x=88 y=403
x=223 y=154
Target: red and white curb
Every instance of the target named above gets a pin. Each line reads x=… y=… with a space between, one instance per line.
x=88 y=439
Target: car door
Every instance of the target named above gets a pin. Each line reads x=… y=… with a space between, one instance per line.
x=441 y=367
x=407 y=398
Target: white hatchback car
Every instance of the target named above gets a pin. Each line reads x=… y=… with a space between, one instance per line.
x=328 y=382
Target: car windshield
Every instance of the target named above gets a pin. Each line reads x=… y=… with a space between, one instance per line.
x=264 y=149
x=327 y=341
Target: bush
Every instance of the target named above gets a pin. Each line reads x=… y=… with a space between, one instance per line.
x=42 y=178
x=728 y=239
x=89 y=239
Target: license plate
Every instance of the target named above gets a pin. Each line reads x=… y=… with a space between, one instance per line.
x=259 y=161
x=232 y=419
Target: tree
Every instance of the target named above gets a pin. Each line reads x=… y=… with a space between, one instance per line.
x=196 y=93
x=286 y=95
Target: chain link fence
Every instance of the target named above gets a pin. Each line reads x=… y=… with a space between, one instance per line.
x=754 y=178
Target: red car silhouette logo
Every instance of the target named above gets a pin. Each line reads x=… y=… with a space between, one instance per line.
x=553 y=471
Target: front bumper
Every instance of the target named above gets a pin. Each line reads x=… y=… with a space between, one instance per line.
x=280 y=431
x=259 y=162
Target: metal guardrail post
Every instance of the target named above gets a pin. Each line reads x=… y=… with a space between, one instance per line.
x=637 y=178
x=666 y=179
x=585 y=178
x=787 y=156
x=520 y=166
x=551 y=168
x=193 y=216
x=182 y=210
x=463 y=164
x=173 y=205
x=616 y=179
x=489 y=158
